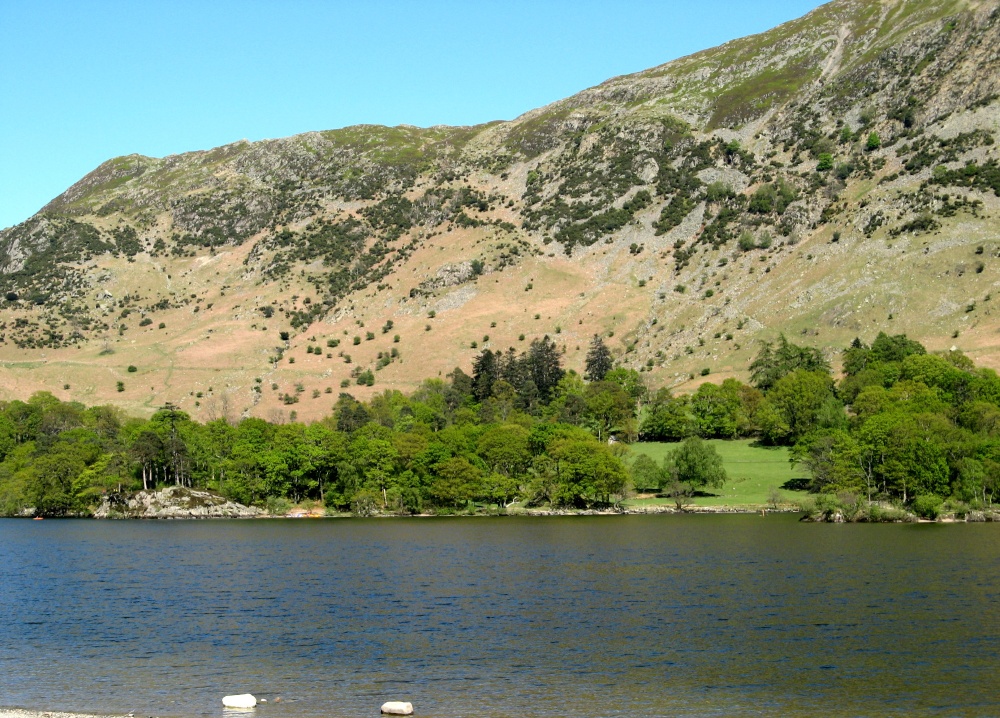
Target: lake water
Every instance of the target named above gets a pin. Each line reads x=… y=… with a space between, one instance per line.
x=586 y=616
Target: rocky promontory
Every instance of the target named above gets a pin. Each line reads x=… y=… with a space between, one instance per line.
x=173 y=502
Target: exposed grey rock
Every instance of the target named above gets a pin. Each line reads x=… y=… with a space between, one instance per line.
x=173 y=502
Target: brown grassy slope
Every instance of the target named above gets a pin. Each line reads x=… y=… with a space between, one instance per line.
x=846 y=59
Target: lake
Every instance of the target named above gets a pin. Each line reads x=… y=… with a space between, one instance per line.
x=589 y=616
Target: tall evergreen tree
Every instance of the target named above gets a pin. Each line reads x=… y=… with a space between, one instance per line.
x=599 y=361
x=485 y=373
x=544 y=366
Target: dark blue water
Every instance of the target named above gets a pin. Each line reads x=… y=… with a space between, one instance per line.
x=590 y=616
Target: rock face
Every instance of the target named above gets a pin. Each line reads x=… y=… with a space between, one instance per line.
x=397 y=708
x=174 y=502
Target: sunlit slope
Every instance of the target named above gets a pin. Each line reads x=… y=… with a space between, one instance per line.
x=832 y=177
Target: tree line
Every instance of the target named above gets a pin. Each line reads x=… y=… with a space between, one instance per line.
x=520 y=428
x=899 y=425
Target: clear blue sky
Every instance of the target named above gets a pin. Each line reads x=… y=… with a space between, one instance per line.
x=83 y=81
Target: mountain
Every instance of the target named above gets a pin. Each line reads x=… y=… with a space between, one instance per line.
x=830 y=178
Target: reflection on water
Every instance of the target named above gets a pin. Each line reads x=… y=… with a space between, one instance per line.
x=595 y=616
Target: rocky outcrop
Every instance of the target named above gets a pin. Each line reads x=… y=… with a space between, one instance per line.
x=174 y=502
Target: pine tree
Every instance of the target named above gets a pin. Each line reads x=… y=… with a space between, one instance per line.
x=599 y=361
x=544 y=366
x=485 y=373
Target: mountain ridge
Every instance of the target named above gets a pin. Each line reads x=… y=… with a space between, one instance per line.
x=721 y=197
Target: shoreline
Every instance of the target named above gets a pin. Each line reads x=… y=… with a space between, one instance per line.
x=24 y=713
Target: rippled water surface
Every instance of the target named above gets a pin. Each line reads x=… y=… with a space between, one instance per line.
x=590 y=616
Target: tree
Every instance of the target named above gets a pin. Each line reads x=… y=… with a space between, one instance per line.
x=666 y=418
x=798 y=398
x=599 y=361
x=544 y=367
x=873 y=142
x=457 y=481
x=775 y=360
x=715 y=412
x=691 y=466
x=645 y=473
x=585 y=471
x=630 y=380
x=485 y=373
x=506 y=449
x=351 y=414
x=608 y=405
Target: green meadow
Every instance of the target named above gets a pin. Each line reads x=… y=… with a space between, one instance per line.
x=753 y=472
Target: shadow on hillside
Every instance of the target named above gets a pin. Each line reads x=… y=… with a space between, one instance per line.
x=795 y=485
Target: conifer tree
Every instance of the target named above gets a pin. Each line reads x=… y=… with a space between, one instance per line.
x=599 y=361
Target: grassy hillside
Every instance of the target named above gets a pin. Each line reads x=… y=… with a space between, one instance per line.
x=829 y=178
x=754 y=471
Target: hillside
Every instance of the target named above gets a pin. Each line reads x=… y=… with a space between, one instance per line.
x=831 y=177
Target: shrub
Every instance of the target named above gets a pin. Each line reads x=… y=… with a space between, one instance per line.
x=927 y=506
x=121 y=386
x=278 y=505
x=132 y=369
x=163 y=325
x=356 y=340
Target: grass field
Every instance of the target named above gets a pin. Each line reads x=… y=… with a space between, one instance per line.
x=753 y=471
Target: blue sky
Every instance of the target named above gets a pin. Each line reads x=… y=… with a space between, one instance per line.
x=84 y=81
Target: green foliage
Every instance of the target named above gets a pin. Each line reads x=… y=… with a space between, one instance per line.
x=695 y=464
x=599 y=360
x=777 y=359
x=772 y=198
x=927 y=506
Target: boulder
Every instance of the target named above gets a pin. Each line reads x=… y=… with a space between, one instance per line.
x=397 y=708
x=244 y=700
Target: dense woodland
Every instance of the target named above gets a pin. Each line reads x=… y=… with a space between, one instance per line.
x=900 y=426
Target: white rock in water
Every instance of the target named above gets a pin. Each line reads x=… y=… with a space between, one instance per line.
x=397 y=708
x=244 y=700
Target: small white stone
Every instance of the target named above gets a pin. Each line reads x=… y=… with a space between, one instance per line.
x=397 y=708
x=244 y=700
